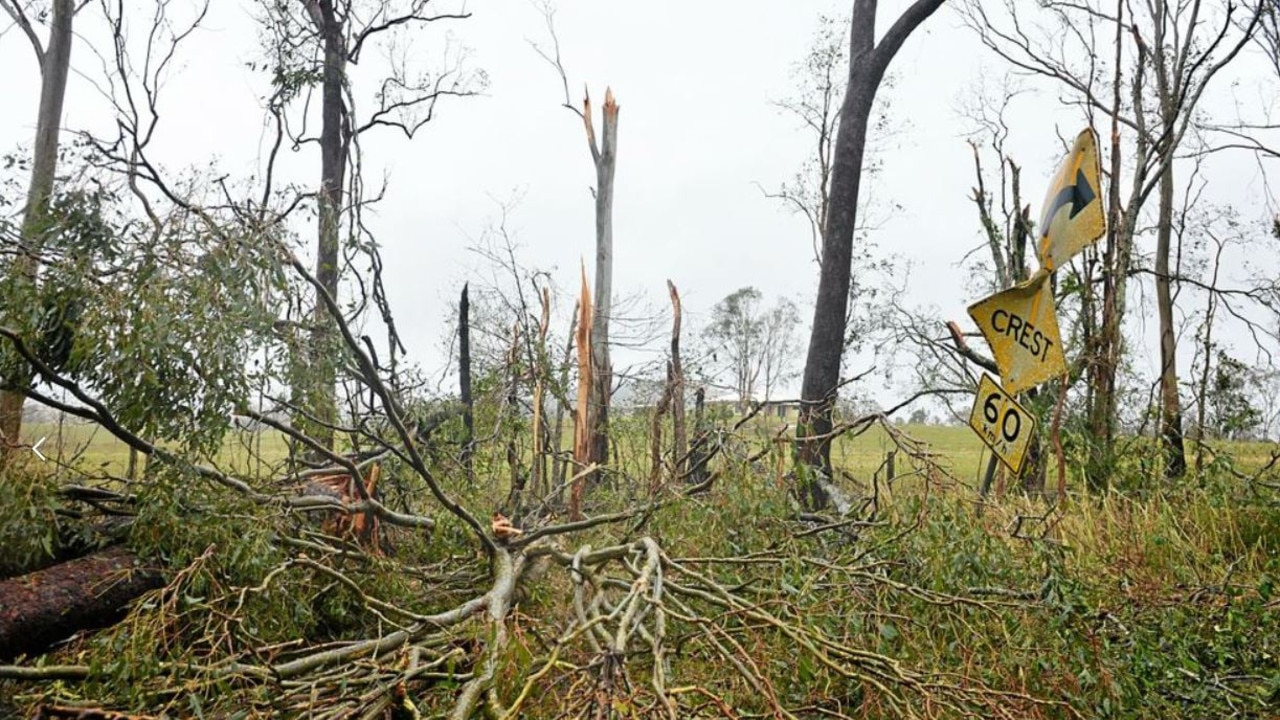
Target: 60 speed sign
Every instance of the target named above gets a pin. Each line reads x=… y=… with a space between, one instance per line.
x=1004 y=425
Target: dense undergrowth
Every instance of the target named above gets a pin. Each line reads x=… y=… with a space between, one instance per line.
x=1156 y=604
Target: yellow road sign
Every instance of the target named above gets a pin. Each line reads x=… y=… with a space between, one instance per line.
x=1004 y=425
x=1072 y=217
x=1022 y=329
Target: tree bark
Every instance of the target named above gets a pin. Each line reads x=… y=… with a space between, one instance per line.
x=679 y=437
x=1175 y=458
x=55 y=64
x=1105 y=353
x=867 y=64
x=41 y=608
x=335 y=136
x=464 y=383
x=605 y=157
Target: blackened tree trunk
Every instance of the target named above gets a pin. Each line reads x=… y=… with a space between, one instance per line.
x=54 y=58
x=868 y=62
x=464 y=381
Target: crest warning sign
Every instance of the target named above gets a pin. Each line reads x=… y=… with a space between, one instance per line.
x=1021 y=327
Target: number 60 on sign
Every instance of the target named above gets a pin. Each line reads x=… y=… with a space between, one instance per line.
x=1004 y=425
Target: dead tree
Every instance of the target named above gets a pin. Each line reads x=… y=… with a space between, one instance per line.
x=464 y=383
x=317 y=43
x=604 y=152
x=679 y=437
x=604 y=155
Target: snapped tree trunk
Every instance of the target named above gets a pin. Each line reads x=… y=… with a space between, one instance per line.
x=867 y=65
x=605 y=156
x=464 y=383
x=55 y=64
x=679 y=438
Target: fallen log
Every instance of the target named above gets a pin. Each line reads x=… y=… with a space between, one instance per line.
x=41 y=608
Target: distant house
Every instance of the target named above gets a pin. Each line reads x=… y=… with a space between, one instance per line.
x=788 y=410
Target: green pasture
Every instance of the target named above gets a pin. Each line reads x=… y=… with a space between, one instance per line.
x=90 y=448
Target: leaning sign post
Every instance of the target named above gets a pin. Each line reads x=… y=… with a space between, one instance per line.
x=1021 y=323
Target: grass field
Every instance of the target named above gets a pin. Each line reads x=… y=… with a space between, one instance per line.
x=1159 y=603
x=89 y=447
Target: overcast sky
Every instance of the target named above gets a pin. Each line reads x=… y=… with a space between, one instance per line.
x=698 y=136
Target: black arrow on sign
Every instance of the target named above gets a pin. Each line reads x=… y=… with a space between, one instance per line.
x=1078 y=195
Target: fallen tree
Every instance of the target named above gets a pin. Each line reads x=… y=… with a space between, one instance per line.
x=43 y=607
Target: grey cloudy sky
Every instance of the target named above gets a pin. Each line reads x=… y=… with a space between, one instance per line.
x=698 y=135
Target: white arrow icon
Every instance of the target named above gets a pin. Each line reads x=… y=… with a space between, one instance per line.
x=36 y=448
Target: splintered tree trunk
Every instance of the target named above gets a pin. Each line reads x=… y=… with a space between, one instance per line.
x=679 y=438
x=605 y=157
x=41 y=608
x=583 y=413
x=559 y=465
x=335 y=134
x=55 y=64
x=867 y=65
x=464 y=382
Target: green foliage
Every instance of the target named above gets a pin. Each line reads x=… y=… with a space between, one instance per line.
x=29 y=522
x=157 y=322
x=1231 y=413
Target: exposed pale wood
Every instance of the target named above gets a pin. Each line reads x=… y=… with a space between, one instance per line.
x=679 y=436
x=583 y=424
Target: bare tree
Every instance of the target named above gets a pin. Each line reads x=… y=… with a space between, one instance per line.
x=54 y=59
x=778 y=334
x=1185 y=46
x=753 y=344
x=868 y=62
x=315 y=43
x=604 y=156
